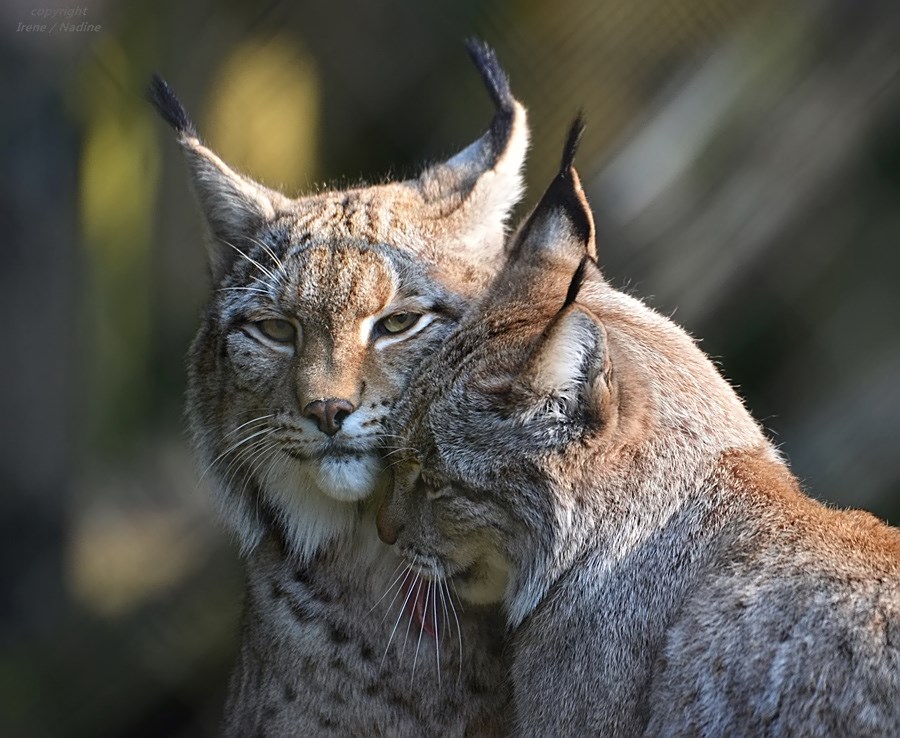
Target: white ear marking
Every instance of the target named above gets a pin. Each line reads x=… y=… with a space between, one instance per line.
x=562 y=359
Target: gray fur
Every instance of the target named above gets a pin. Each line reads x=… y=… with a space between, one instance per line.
x=579 y=460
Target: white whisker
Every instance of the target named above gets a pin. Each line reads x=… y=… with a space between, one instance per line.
x=244 y=289
x=390 y=586
x=421 y=629
x=398 y=450
x=397 y=623
x=409 y=624
x=456 y=591
x=437 y=641
x=241 y=456
x=251 y=260
x=255 y=461
x=396 y=594
x=268 y=251
x=443 y=586
x=232 y=449
x=458 y=632
x=244 y=425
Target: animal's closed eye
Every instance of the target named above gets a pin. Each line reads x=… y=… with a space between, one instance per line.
x=277 y=333
x=278 y=330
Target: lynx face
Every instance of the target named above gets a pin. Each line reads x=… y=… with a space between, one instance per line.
x=322 y=306
x=311 y=360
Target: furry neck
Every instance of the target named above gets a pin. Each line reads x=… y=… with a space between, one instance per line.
x=671 y=504
x=316 y=526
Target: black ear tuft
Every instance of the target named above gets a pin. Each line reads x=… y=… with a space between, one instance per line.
x=492 y=73
x=576 y=131
x=577 y=282
x=566 y=188
x=169 y=107
x=563 y=201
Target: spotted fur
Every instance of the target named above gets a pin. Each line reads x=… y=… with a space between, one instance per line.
x=576 y=457
x=292 y=378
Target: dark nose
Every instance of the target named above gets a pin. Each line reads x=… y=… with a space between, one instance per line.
x=386 y=532
x=330 y=413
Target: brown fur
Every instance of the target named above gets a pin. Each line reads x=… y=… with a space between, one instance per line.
x=575 y=456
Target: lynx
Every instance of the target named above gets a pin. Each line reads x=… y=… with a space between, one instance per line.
x=576 y=457
x=321 y=307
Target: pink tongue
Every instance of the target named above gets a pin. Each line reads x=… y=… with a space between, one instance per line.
x=418 y=608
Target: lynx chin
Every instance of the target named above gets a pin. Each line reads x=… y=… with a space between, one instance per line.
x=321 y=307
x=574 y=456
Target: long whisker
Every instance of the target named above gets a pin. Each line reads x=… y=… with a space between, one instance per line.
x=243 y=454
x=251 y=260
x=415 y=599
x=398 y=450
x=244 y=425
x=394 y=463
x=396 y=594
x=255 y=462
x=276 y=461
x=456 y=591
x=421 y=630
x=243 y=289
x=437 y=640
x=268 y=251
x=391 y=585
x=458 y=632
x=441 y=589
x=232 y=449
x=397 y=623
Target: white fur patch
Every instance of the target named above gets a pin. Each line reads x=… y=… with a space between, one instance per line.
x=347 y=478
x=559 y=368
x=310 y=517
x=489 y=582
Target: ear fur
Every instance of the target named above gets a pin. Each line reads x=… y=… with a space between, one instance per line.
x=561 y=227
x=235 y=206
x=472 y=194
x=570 y=362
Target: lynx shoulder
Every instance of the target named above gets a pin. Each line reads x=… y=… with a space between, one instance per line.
x=321 y=307
x=576 y=457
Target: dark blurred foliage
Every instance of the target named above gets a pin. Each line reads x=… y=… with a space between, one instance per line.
x=743 y=160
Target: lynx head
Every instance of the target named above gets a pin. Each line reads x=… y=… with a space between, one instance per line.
x=321 y=307
x=553 y=405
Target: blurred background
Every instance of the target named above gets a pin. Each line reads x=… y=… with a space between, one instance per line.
x=742 y=158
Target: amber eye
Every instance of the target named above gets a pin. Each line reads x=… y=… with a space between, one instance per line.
x=280 y=331
x=398 y=322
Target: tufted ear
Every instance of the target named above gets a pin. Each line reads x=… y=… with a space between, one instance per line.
x=568 y=369
x=234 y=205
x=469 y=197
x=561 y=227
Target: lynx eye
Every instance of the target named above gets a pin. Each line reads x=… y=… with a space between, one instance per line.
x=397 y=323
x=280 y=331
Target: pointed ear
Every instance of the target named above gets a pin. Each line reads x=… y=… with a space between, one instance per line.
x=561 y=227
x=234 y=206
x=469 y=197
x=568 y=370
